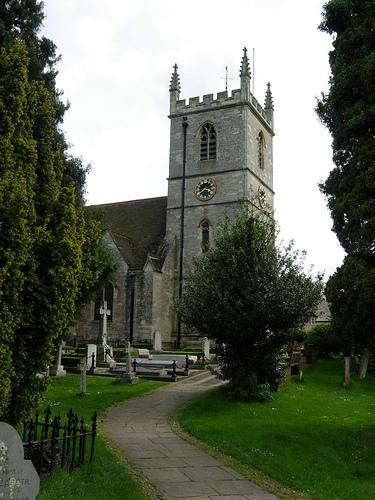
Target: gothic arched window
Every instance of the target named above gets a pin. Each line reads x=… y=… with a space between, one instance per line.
x=205 y=235
x=208 y=142
x=104 y=294
x=261 y=145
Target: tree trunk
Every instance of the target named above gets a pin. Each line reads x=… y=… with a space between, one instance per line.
x=346 y=381
x=364 y=363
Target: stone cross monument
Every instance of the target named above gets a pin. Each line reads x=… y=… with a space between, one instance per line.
x=104 y=312
x=104 y=352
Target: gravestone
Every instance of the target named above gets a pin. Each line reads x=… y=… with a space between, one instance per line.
x=144 y=354
x=57 y=369
x=129 y=377
x=82 y=380
x=206 y=348
x=346 y=380
x=18 y=477
x=91 y=360
x=157 y=344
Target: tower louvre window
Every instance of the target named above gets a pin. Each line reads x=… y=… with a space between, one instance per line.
x=261 y=145
x=205 y=229
x=208 y=142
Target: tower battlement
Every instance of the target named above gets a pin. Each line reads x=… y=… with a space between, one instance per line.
x=241 y=96
x=223 y=99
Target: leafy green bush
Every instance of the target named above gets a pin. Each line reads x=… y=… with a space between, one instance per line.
x=243 y=386
x=324 y=338
x=298 y=335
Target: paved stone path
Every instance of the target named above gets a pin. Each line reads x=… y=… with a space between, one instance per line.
x=180 y=470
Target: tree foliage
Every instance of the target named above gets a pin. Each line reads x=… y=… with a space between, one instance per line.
x=351 y=293
x=22 y=20
x=323 y=337
x=246 y=293
x=43 y=238
x=51 y=254
x=348 y=111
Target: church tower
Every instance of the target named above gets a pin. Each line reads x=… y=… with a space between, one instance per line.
x=220 y=157
x=220 y=161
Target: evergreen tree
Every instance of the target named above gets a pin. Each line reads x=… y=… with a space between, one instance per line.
x=348 y=111
x=17 y=213
x=248 y=294
x=351 y=293
x=52 y=258
x=21 y=20
x=44 y=238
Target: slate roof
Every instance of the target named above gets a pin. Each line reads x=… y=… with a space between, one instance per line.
x=323 y=313
x=138 y=229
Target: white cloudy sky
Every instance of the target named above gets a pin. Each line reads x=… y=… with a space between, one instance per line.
x=117 y=59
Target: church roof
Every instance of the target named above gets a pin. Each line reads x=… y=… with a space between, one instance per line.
x=323 y=313
x=138 y=228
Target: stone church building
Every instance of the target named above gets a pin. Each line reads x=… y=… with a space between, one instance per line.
x=220 y=157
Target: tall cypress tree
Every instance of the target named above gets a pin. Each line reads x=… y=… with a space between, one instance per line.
x=348 y=111
x=51 y=254
x=17 y=185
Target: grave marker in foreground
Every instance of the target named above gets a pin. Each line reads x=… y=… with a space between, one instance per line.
x=18 y=477
x=129 y=377
x=82 y=380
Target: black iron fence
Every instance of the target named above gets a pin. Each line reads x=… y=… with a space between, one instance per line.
x=50 y=444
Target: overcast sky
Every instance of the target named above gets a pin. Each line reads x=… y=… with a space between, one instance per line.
x=117 y=59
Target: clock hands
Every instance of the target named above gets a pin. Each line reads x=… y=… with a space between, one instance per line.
x=205 y=189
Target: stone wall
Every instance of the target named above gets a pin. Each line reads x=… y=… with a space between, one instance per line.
x=85 y=328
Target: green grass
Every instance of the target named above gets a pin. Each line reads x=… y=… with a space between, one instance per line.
x=106 y=478
x=316 y=437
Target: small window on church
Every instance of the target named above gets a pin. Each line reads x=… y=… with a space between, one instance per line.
x=261 y=145
x=208 y=142
x=205 y=229
x=104 y=294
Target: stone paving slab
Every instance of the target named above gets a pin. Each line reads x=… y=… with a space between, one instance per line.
x=179 y=470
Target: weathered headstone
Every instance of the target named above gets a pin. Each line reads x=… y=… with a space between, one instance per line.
x=91 y=356
x=206 y=348
x=82 y=380
x=157 y=344
x=57 y=369
x=144 y=354
x=364 y=363
x=346 y=381
x=18 y=477
x=129 y=377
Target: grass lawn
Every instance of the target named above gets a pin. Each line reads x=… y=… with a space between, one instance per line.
x=316 y=437
x=106 y=478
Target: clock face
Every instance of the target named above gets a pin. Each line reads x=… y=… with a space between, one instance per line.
x=205 y=189
x=262 y=197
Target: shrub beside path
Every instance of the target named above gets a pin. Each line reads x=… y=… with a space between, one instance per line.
x=140 y=427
